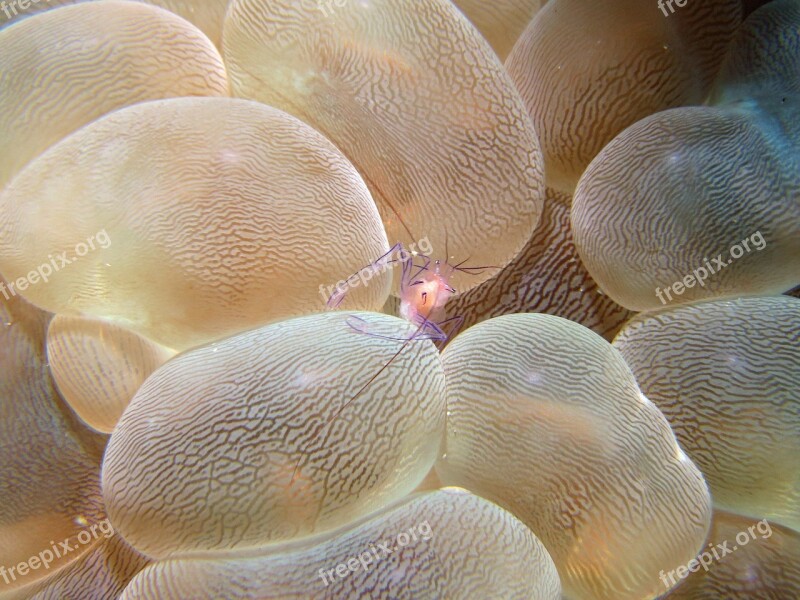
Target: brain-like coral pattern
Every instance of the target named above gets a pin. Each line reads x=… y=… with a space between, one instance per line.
x=443 y=544
x=726 y=374
x=704 y=202
x=415 y=97
x=545 y=418
x=260 y=438
x=189 y=219
x=69 y=52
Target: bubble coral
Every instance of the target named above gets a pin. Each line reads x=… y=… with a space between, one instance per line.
x=546 y=277
x=626 y=61
x=228 y=446
x=726 y=374
x=545 y=418
x=156 y=54
x=98 y=366
x=440 y=561
x=768 y=566
x=49 y=463
x=689 y=184
x=206 y=15
x=417 y=100
x=208 y=205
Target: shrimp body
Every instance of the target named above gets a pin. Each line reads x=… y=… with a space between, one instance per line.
x=424 y=291
x=425 y=295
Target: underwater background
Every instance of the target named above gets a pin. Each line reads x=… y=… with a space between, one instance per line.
x=410 y=299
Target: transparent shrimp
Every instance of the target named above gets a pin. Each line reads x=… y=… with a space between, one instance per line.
x=424 y=292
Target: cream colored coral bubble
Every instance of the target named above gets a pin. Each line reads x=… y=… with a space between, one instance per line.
x=235 y=444
x=726 y=374
x=544 y=418
x=702 y=202
x=189 y=219
x=206 y=15
x=443 y=544
x=414 y=96
x=624 y=61
x=98 y=366
x=66 y=67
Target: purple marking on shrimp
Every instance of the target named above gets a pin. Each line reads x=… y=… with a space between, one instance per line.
x=426 y=329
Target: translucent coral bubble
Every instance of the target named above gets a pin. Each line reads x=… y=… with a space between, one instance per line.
x=415 y=97
x=689 y=204
x=64 y=68
x=103 y=572
x=49 y=462
x=98 y=366
x=195 y=217
x=625 y=62
x=501 y=22
x=235 y=444
x=766 y=566
x=726 y=374
x=206 y=15
x=425 y=547
x=544 y=418
x=702 y=202
x=546 y=277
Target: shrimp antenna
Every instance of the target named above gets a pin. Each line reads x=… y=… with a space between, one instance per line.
x=472 y=270
x=458 y=267
x=385 y=199
x=351 y=400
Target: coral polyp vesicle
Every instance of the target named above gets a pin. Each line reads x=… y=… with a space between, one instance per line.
x=413 y=95
x=156 y=55
x=576 y=452
x=424 y=547
x=222 y=448
x=98 y=366
x=206 y=204
x=684 y=189
x=629 y=62
x=741 y=425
